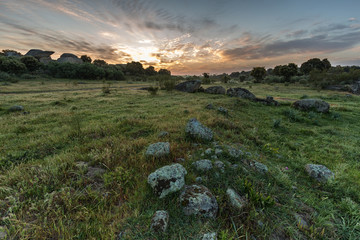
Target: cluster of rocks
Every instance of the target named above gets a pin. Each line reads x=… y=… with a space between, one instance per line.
x=45 y=56
x=352 y=88
x=197 y=199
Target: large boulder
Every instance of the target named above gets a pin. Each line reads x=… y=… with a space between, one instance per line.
x=215 y=90
x=69 y=58
x=37 y=53
x=196 y=130
x=240 y=92
x=160 y=221
x=159 y=149
x=199 y=201
x=319 y=172
x=168 y=179
x=312 y=105
x=189 y=86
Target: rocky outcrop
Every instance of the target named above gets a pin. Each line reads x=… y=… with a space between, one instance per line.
x=215 y=90
x=319 y=172
x=168 y=179
x=189 y=86
x=42 y=56
x=199 y=201
x=196 y=130
x=240 y=92
x=160 y=221
x=312 y=105
x=355 y=88
x=69 y=58
x=159 y=149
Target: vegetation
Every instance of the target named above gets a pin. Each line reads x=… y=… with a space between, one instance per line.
x=258 y=73
x=46 y=191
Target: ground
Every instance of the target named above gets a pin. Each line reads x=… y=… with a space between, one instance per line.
x=49 y=158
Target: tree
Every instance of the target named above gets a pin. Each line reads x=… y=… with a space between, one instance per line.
x=206 y=79
x=86 y=59
x=258 y=73
x=150 y=71
x=225 y=78
x=315 y=63
x=206 y=75
x=164 y=72
x=326 y=63
x=134 y=68
x=235 y=75
x=11 y=65
x=287 y=71
x=10 y=53
x=99 y=63
x=31 y=63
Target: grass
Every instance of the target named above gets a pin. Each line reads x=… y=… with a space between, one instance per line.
x=44 y=194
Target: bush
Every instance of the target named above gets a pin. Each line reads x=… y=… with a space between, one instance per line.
x=5 y=77
x=31 y=63
x=166 y=82
x=112 y=73
x=12 y=65
x=90 y=71
x=274 y=79
x=153 y=90
x=27 y=76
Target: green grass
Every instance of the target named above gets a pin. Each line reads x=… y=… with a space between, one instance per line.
x=45 y=195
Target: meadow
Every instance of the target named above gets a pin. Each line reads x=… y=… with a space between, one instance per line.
x=69 y=127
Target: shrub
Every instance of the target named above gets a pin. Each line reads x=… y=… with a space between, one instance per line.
x=274 y=79
x=166 y=82
x=31 y=63
x=90 y=71
x=12 y=65
x=153 y=90
x=112 y=73
x=27 y=76
x=4 y=77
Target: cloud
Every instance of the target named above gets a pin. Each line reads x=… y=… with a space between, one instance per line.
x=352 y=19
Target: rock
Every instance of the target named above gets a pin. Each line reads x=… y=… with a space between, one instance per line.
x=319 y=172
x=220 y=165
x=214 y=157
x=16 y=108
x=69 y=58
x=355 y=88
x=209 y=236
x=196 y=130
x=216 y=90
x=12 y=54
x=235 y=199
x=312 y=105
x=301 y=222
x=199 y=201
x=223 y=110
x=233 y=152
x=160 y=221
x=168 y=179
x=203 y=165
x=262 y=168
x=218 y=152
x=159 y=149
x=208 y=151
x=209 y=106
x=240 y=92
x=37 y=53
x=180 y=160
x=163 y=134
x=45 y=60
x=189 y=86
x=268 y=101
x=198 y=179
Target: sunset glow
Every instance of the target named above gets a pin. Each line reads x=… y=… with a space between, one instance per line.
x=190 y=37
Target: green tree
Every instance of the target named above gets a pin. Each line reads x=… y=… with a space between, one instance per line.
x=225 y=78
x=86 y=59
x=135 y=68
x=99 y=63
x=11 y=65
x=315 y=63
x=31 y=63
x=258 y=73
x=164 y=72
x=150 y=71
x=235 y=75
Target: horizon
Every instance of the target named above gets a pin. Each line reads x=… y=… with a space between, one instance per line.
x=190 y=37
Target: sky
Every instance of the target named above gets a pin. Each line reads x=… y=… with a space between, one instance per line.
x=188 y=36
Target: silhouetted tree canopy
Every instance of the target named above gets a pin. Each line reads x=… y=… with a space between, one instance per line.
x=99 y=62
x=258 y=73
x=315 y=63
x=150 y=71
x=134 y=68
x=31 y=63
x=86 y=59
x=164 y=72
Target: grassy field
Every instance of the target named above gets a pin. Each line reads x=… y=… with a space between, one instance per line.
x=47 y=193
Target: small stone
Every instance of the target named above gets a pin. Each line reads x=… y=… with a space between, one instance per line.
x=210 y=106
x=262 y=168
x=214 y=157
x=220 y=165
x=223 y=110
x=160 y=221
x=235 y=199
x=319 y=172
x=159 y=149
x=218 y=152
x=203 y=165
x=196 y=130
x=198 y=179
x=301 y=222
x=209 y=236
x=202 y=154
x=233 y=152
x=168 y=179
x=163 y=134
x=235 y=166
x=208 y=151
x=180 y=160
x=199 y=201
x=94 y=173
x=16 y=108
